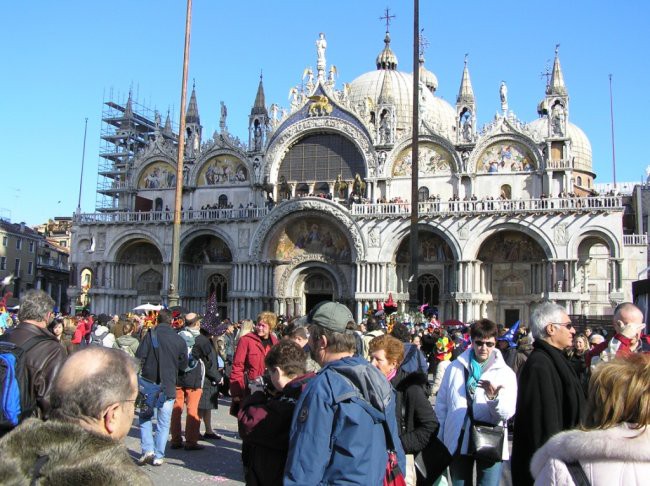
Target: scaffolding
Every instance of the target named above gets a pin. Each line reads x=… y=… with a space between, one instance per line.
x=127 y=128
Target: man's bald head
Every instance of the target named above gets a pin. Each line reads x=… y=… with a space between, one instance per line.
x=91 y=380
x=628 y=320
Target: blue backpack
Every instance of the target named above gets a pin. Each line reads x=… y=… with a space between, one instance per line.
x=16 y=402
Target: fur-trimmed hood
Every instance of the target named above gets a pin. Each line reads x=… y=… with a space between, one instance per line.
x=74 y=456
x=617 y=444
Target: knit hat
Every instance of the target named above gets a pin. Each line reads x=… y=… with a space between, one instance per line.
x=332 y=316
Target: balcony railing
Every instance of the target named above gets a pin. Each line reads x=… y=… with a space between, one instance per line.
x=187 y=216
x=635 y=240
x=52 y=263
x=457 y=208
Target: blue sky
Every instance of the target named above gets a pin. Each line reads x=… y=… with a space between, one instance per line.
x=62 y=59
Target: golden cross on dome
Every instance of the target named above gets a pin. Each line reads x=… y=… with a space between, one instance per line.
x=387 y=17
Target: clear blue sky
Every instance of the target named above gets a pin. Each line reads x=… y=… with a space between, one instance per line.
x=60 y=60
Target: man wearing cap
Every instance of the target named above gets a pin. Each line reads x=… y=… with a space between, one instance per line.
x=337 y=433
x=189 y=385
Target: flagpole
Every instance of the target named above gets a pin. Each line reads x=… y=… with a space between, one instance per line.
x=611 y=114
x=83 y=159
x=173 y=295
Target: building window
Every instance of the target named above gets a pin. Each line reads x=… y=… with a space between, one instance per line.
x=5 y=240
x=63 y=243
x=17 y=268
x=19 y=243
x=423 y=194
x=30 y=268
x=31 y=247
x=3 y=263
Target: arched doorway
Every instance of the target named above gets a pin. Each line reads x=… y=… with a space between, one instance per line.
x=512 y=270
x=318 y=287
x=428 y=290
x=144 y=270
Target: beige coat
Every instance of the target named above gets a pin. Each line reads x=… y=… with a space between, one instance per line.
x=619 y=455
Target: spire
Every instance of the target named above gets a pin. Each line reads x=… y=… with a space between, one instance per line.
x=167 y=129
x=128 y=113
x=466 y=92
x=192 y=115
x=557 y=87
x=259 y=107
x=386 y=93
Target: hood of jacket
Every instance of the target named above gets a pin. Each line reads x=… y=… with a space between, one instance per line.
x=621 y=443
x=126 y=340
x=369 y=382
x=404 y=379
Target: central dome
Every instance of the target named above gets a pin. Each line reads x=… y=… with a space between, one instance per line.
x=436 y=111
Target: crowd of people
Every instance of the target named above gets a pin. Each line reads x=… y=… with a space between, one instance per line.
x=323 y=399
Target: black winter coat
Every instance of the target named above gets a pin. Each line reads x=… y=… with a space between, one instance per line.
x=415 y=416
x=172 y=352
x=550 y=399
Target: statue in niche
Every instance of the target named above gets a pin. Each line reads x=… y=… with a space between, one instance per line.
x=257 y=136
x=557 y=120
x=467 y=127
x=381 y=157
x=385 y=131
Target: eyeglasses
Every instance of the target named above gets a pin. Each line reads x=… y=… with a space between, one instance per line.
x=479 y=343
x=568 y=325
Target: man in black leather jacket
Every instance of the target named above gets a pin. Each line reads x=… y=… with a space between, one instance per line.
x=45 y=358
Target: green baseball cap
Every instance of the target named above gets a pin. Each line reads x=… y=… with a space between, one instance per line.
x=332 y=316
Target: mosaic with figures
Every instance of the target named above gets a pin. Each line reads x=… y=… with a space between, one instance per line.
x=432 y=249
x=222 y=170
x=509 y=247
x=158 y=175
x=311 y=236
x=433 y=160
x=505 y=157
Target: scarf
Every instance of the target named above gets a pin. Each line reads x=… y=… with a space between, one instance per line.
x=475 y=372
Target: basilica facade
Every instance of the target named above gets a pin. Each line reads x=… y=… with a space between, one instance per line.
x=315 y=205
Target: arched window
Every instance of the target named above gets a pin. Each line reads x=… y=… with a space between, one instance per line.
x=579 y=181
x=423 y=194
x=302 y=190
x=223 y=201
x=321 y=188
x=158 y=205
x=428 y=290
x=218 y=286
x=149 y=283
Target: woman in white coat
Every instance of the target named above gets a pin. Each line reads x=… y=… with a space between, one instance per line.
x=613 y=446
x=492 y=386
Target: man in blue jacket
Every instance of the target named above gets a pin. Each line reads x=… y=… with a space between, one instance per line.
x=337 y=432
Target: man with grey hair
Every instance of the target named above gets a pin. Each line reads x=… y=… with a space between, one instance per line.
x=344 y=422
x=43 y=355
x=550 y=398
x=92 y=400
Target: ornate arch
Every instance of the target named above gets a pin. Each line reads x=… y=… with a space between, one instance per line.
x=298 y=265
x=474 y=245
x=390 y=246
x=504 y=137
x=215 y=151
x=293 y=133
x=310 y=207
x=146 y=161
x=120 y=241
x=599 y=232
x=204 y=230
x=431 y=138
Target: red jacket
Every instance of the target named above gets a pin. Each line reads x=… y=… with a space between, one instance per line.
x=248 y=362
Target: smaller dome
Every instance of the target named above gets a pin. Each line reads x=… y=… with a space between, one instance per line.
x=580 y=145
x=427 y=77
x=387 y=58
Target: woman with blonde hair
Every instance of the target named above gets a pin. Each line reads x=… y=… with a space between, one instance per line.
x=613 y=444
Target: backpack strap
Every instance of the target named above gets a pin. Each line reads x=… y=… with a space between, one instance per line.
x=577 y=474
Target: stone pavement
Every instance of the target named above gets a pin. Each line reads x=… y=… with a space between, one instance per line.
x=219 y=463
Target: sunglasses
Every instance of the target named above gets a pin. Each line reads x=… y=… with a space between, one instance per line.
x=568 y=325
x=479 y=343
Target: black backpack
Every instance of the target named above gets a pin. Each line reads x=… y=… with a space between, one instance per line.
x=16 y=401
